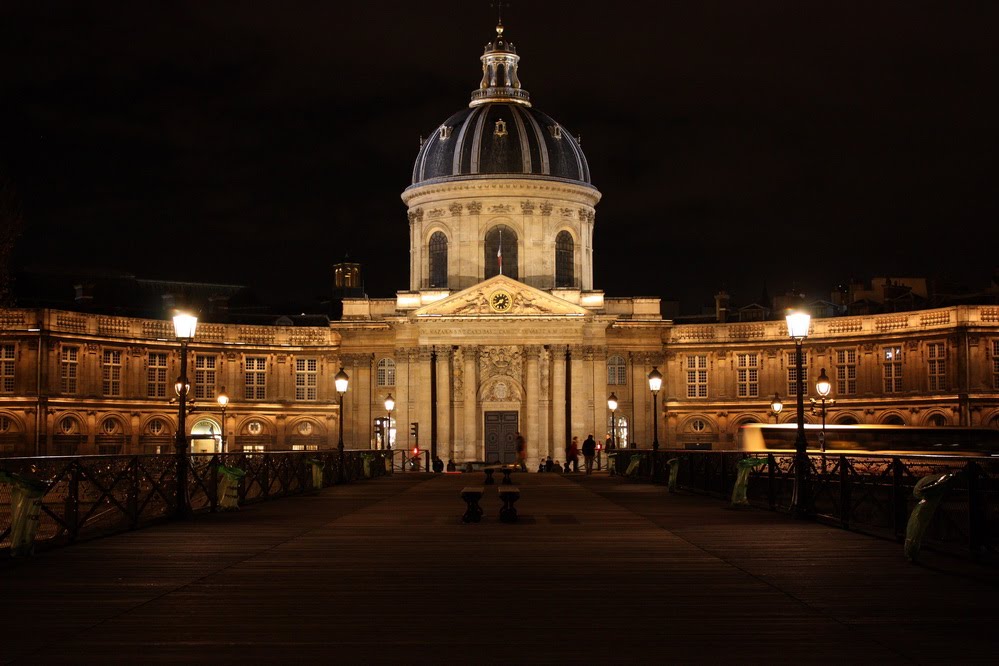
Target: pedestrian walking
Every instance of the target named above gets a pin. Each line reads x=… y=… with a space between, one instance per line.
x=589 y=450
x=572 y=455
x=521 y=452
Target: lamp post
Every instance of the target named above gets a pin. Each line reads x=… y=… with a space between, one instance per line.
x=797 y=328
x=612 y=406
x=775 y=407
x=184 y=326
x=389 y=406
x=655 y=383
x=223 y=400
x=341 y=380
x=823 y=387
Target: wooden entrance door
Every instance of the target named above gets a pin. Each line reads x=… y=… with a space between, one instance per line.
x=501 y=437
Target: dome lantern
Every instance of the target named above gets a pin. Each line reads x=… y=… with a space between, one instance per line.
x=500 y=82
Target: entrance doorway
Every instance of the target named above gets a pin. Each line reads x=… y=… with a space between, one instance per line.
x=501 y=437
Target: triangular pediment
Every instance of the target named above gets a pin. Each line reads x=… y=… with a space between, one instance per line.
x=501 y=296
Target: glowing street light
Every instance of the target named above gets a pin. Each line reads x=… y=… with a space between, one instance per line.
x=184 y=326
x=797 y=328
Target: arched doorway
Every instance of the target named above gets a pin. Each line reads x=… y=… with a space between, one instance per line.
x=206 y=437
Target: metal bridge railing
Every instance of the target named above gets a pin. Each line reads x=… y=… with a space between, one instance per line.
x=88 y=496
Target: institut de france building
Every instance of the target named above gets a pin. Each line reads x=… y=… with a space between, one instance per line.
x=500 y=330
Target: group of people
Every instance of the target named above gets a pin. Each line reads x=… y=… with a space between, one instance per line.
x=589 y=453
x=572 y=452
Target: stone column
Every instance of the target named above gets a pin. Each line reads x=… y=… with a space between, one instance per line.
x=470 y=406
x=545 y=447
x=421 y=391
x=401 y=413
x=558 y=401
x=600 y=414
x=532 y=408
x=580 y=393
x=445 y=446
x=641 y=426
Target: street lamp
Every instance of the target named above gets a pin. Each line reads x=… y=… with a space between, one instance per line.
x=655 y=383
x=340 y=381
x=389 y=406
x=223 y=400
x=184 y=326
x=823 y=387
x=776 y=406
x=797 y=328
x=612 y=405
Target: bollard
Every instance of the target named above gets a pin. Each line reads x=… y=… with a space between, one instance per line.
x=930 y=491
x=25 y=504
x=317 y=474
x=746 y=465
x=674 y=472
x=229 y=487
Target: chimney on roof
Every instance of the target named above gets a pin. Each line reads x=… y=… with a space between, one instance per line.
x=84 y=294
x=721 y=306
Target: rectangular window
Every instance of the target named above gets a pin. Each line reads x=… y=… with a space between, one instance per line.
x=111 y=373
x=697 y=376
x=892 y=369
x=305 y=378
x=256 y=378
x=7 y=368
x=995 y=364
x=846 y=371
x=69 y=369
x=156 y=375
x=748 y=375
x=204 y=376
x=936 y=355
x=792 y=372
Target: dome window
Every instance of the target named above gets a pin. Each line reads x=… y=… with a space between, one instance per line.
x=438 y=260
x=556 y=131
x=445 y=132
x=500 y=128
x=564 y=258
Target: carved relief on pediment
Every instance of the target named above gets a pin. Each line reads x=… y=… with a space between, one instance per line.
x=503 y=360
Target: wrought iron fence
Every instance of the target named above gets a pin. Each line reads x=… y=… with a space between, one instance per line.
x=88 y=496
x=867 y=493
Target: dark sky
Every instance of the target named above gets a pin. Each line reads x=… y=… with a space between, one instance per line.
x=734 y=142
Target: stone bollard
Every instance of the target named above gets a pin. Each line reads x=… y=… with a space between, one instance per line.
x=674 y=472
x=746 y=465
x=25 y=504
x=317 y=474
x=229 y=487
x=930 y=491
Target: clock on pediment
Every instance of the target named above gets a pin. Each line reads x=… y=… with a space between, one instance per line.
x=500 y=300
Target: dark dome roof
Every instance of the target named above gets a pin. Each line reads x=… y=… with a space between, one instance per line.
x=495 y=139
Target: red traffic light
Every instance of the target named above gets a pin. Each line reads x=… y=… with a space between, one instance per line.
x=416 y=450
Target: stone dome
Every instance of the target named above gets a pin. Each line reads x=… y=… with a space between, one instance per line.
x=497 y=139
x=500 y=134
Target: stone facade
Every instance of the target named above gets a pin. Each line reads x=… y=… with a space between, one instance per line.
x=546 y=359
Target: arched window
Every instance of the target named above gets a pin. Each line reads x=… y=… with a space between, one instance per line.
x=501 y=250
x=563 y=259
x=622 y=430
x=438 y=260
x=386 y=372
x=893 y=419
x=616 y=371
x=936 y=420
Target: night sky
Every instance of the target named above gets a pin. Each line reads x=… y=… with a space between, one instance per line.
x=734 y=142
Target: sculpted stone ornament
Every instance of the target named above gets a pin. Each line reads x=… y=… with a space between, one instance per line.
x=504 y=360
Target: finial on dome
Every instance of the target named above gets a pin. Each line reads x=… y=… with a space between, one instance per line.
x=500 y=82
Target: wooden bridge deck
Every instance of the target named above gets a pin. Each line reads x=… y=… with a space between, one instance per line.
x=597 y=570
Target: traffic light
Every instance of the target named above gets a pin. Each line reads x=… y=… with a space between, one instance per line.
x=416 y=451
x=414 y=430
